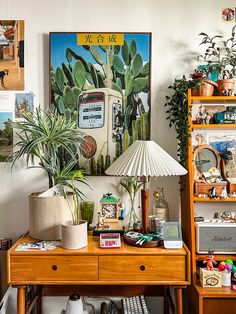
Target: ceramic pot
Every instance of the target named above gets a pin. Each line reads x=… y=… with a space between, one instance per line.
x=46 y=214
x=74 y=237
x=225 y=86
x=205 y=88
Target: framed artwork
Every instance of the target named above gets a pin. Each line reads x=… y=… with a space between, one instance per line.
x=105 y=79
x=24 y=103
x=11 y=55
x=6 y=135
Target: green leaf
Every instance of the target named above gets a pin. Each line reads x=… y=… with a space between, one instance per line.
x=69 y=98
x=68 y=75
x=146 y=69
x=59 y=78
x=136 y=64
x=129 y=82
x=118 y=65
x=96 y=55
x=125 y=52
x=139 y=84
x=68 y=55
x=132 y=48
x=79 y=74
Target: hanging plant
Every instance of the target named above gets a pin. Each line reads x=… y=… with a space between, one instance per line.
x=178 y=113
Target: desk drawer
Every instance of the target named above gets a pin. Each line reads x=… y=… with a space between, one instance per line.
x=139 y=268
x=54 y=268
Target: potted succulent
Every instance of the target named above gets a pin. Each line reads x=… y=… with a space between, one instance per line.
x=51 y=140
x=220 y=57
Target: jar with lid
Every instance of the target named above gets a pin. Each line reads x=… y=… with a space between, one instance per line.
x=160 y=206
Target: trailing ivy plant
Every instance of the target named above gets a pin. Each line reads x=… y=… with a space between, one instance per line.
x=178 y=113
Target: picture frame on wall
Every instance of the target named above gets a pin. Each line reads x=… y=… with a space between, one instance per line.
x=11 y=55
x=103 y=81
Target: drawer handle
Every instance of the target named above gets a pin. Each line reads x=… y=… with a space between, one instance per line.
x=54 y=267
x=142 y=267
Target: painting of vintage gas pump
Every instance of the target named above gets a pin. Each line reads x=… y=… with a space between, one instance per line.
x=100 y=114
x=105 y=79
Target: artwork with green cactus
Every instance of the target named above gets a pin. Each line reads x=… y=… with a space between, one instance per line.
x=105 y=78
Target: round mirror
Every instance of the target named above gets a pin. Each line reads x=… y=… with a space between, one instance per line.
x=205 y=158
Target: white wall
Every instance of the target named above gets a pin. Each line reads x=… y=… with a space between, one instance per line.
x=175 y=25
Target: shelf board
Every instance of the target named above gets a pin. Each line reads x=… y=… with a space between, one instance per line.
x=218 y=257
x=208 y=199
x=214 y=126
x=210 y=98
x=225 y=292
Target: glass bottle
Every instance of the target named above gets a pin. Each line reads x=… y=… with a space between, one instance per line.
x=160 y=206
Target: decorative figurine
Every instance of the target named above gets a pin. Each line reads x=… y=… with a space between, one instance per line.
x=224 y=194
x=213 y=193
x=209 y=260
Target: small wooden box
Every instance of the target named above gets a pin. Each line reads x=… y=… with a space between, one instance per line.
x=210 y=278
x=205 y=188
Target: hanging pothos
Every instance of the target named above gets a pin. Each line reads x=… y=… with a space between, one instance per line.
x=178 y=113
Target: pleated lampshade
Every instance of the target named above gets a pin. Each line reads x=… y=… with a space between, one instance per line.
x=145 y=158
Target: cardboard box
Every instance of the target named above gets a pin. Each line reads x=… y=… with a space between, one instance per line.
x=210 y=278
x=3 y=273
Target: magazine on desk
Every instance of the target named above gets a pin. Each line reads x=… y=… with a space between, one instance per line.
x=38 y=246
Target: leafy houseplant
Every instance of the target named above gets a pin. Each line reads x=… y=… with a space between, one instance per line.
x=132 y=186
x=53 y=140
x=178 y=113
x=220 y=57
x=74 y=232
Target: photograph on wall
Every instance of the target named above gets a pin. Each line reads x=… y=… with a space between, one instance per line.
x=6 y=135
x=105 y=79
x=11 y=55
x=228 y=15
x=7 y=101
x=24 y=103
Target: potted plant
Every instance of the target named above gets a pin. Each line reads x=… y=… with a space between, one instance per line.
x=53 y=141
x=178 y=113
x=74 y=231
x=220 y=57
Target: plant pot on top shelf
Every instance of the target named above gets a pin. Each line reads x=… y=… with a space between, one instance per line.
x=226 y=87
x=204 y=88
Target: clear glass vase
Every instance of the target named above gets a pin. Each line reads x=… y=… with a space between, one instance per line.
x=132 y=216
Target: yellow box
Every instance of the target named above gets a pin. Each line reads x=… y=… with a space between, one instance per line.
x=210 y=278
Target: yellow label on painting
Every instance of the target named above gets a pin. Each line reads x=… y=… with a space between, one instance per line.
x=100 y=39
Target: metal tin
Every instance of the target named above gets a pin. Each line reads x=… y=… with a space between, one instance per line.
x=156 y=224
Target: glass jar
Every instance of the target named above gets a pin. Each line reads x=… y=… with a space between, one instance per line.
x=160 y=206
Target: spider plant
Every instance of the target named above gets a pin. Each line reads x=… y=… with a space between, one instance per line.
x=48 y=138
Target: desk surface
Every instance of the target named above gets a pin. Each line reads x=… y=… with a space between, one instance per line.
x=93 y=265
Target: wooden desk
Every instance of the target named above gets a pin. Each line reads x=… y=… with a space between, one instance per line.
x=127 y=267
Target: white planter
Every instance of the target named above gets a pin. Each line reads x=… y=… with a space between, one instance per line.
x=46 y=214
x=74 y=237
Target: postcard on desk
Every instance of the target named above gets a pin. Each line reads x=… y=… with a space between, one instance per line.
x=38 y=246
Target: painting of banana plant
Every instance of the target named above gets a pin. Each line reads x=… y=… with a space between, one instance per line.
x=103 y=81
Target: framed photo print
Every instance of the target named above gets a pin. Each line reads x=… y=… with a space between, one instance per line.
x=105 y=79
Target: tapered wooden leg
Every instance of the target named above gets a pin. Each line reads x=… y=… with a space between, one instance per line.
x=178 y=301
x=166 y=303
x=21 y=299
x=39 y=301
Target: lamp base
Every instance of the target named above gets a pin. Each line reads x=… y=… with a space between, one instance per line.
x=149 y=244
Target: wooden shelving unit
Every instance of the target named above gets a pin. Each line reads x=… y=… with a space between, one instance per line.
x=204 y=300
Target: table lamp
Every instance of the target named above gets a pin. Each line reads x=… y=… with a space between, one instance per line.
x=145 y=159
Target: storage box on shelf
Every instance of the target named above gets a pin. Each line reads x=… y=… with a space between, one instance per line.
x=197 y=192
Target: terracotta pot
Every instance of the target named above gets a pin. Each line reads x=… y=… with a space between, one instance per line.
x=74 y=237
x=46 y=214
x=205 y=88
x=225 y=85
